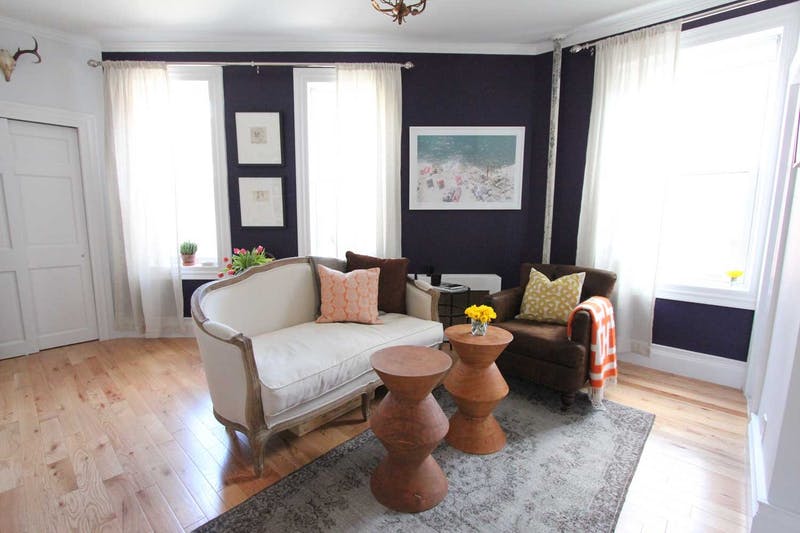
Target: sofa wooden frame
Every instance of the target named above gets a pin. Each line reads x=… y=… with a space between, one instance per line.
x=257 y=431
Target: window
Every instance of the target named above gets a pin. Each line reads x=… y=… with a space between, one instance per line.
x=718 y=188
x=347 y=137
x=200 y=167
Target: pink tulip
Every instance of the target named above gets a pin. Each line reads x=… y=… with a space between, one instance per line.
x=231 y=272
x=235 y=250
x=260 y=249
x=229 y=265
x=220 y=275
x=226 y=259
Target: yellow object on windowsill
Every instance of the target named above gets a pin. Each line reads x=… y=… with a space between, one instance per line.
x=734 y=275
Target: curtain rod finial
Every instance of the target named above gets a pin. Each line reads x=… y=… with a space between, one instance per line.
x=408 y=65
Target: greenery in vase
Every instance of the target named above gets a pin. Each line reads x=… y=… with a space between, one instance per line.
x=188 y=248
x=243 y=259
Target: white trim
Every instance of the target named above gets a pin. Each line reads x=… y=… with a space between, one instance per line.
x=476 y=282
x=776 y=233
x=208 y=272
x=708 y=295
x=235 y=45
x=49 y=33
x=763 y=517
x=213 y=75
x=638 y=17
x=93 y=191
x=712 y=368
x=303 y=76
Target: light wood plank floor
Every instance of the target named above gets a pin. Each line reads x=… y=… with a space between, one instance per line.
x=119 y=436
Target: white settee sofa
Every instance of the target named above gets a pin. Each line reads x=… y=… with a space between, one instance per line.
x=271 y=367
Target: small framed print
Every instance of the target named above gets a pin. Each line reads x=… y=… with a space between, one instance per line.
x=258 y=138
x=261 y=202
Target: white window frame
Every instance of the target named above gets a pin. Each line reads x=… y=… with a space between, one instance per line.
x=745 y=297
x=302 y=77
x=213 y=75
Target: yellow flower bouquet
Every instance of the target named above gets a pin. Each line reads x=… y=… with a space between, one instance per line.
x=480 y=315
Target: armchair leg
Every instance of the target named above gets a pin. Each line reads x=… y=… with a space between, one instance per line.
x=567 y=399
x=366 y=404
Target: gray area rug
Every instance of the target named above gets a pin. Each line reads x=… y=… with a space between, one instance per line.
x=558 y=472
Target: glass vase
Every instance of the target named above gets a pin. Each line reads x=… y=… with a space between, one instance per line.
x=478 y=328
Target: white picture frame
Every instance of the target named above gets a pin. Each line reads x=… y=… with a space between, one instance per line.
x=258 y=138
x=475 y=167
x=261 y=202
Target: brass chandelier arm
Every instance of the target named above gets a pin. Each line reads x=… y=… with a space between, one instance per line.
x=398 y=9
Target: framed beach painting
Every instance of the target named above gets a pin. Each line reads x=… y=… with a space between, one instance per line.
x=258 y=138
x=465 y=167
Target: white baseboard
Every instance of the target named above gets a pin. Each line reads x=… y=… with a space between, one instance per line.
x=764 y=517
x=695 y=365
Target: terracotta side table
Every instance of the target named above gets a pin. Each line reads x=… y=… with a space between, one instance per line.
x=410 y=424
x=477 y=386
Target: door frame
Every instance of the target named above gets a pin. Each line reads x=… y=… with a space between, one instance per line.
x=94 y=195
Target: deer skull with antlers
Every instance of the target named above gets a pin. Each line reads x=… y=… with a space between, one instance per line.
x=9 y=61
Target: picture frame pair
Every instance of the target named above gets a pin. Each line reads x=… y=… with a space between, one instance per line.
x=259 y=142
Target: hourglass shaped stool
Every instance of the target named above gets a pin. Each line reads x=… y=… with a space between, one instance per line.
x=410 y=424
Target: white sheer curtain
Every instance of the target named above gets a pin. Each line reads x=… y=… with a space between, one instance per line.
x=147 y=294
x=367 y=165
x=626 y=164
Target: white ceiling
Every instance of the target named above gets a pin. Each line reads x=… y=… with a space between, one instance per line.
x=491 y=26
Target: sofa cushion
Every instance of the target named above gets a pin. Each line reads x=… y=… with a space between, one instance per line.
x=300 y=363
x=547 y=342
x=392 y=281
x=350 y=297
x=550 y=301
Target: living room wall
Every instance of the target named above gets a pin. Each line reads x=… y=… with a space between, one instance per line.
x=461 y=90
x=442 y=90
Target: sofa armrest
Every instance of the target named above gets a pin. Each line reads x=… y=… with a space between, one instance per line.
x=422 y=301
x=505 y=303
x=231 y=373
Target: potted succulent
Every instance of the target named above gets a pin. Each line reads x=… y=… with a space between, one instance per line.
x=188 y=249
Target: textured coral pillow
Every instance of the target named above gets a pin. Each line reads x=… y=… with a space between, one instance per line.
x=351 y=297
x=391 y=283
x=551 y=301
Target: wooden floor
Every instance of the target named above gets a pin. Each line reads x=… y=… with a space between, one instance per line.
x=119 y=436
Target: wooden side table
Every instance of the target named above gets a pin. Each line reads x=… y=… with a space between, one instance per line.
x=477 y=386
x=410 y=424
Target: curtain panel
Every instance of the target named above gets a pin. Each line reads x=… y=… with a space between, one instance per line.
x=145 y=271
x=626 y=164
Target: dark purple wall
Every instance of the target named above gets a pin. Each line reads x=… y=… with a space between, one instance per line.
x=442 y=90
x=710 y=329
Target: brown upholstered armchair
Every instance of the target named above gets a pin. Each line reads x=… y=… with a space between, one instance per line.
x=541 y=352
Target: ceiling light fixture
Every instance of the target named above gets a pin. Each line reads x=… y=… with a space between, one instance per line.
x=398 y=9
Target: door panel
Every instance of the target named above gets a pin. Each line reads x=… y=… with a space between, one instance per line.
x=12 y=331
x=47 y=169
x=17 y=332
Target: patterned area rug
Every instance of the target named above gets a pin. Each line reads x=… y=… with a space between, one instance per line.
x=558 y=472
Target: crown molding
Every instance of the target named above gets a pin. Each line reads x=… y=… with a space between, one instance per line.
x=638 y=17
x=321 y=46
x=81 y=41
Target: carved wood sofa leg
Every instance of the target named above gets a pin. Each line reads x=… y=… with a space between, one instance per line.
x=258 y=447
x=366 y=404
x=567 y=399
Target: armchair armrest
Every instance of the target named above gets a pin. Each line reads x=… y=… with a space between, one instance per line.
x=582 y=329
x=505 y=303
x=421 y=300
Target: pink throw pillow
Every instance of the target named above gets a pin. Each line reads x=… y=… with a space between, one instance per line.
x=350 y=297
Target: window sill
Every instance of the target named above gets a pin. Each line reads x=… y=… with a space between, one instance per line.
x=200 y=271
x=736 y=298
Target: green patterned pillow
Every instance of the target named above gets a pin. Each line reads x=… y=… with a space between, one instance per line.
x=551 y=301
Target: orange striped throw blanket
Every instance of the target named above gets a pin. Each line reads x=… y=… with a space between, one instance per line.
x=603 y=359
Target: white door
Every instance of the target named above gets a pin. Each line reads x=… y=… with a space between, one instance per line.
x=48 y=277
